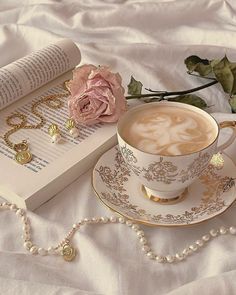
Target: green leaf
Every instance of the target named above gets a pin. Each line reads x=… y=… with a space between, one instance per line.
x=225 y=73
x=214 y=62
x=233 y=70
x=232 y=102
x=190 y=99
x=199 y=65
x=134 y=87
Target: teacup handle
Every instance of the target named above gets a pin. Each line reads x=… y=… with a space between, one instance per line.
x=227 y=124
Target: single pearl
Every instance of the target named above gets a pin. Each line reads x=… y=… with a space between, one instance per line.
x=104 y=219
x=51 y=251
x=223 y=230
x=26 y=223
x=121 y=220
x=19 y=212
x=26 y=228
x=75 y=225
x=26 y=236
x=140 y=233
x=146 y=248
x=71 y=232
x=24 y=219
x=74 y=132
x=113 y=219
x=213 y=232
x=143 y=241
x=179 y=256
x=42 y=251
x=187 y=251
x=58 y=251
x=28 y=245
x=200 y=243
x=129 y=223
x=170 y=258
x=135 y=227
x=33 y=250
x=159 y=259
x=95 y=219
x=150 y=255
x=193 y=247
x=232 y=230
x=13 y=207
x=206 y=238
x=56 y=138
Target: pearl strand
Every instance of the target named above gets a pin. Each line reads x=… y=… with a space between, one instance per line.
x=57 y=250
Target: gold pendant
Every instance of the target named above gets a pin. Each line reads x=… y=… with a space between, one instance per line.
x=68 y=252
x=23 y=157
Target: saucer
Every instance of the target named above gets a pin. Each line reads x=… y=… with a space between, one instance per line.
x=120 y=190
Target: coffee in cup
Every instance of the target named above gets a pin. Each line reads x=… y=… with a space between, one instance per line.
x=168 y=130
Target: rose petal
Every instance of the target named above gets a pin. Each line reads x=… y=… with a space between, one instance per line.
x=80 y=76
x=97 y=81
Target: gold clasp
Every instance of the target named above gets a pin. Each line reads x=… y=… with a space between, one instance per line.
x=22 y=146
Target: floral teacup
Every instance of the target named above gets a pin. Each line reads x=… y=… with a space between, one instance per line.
x=166 y=178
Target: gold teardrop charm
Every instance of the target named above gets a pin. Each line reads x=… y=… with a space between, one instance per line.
x=68 y=252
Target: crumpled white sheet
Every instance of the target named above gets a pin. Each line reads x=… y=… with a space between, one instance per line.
x=147 y=39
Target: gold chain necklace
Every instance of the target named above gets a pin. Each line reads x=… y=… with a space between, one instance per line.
x=23 y=154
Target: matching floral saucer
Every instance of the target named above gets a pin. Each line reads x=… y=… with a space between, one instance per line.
x=119 y=189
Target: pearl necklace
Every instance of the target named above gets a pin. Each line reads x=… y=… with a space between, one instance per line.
x=65 y=249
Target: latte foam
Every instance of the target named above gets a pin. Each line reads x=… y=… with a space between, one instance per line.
x=167 y=130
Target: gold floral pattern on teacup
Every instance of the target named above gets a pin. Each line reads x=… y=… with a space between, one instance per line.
x=165 y=171
x=196 y=168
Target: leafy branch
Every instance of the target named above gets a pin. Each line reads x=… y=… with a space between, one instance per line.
x=218 y=71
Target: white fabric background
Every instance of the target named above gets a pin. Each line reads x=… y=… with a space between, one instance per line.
x=150 y=40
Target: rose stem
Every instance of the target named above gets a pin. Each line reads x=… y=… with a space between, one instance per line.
x=169 y=93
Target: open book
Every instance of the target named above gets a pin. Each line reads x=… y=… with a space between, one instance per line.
x=53 y=166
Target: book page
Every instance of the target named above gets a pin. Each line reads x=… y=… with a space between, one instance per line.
x=32 y=71
x=44 y=151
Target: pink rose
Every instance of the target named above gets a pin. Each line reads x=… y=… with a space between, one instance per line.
x=96 y=95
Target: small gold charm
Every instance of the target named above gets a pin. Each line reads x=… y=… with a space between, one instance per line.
x=23 y=155
x=54 y=132
x=68 y=252
x=71 y=127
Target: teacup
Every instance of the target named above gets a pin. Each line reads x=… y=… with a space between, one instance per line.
x=165 y=177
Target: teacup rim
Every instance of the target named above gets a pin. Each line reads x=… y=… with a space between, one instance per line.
x=187 y=106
